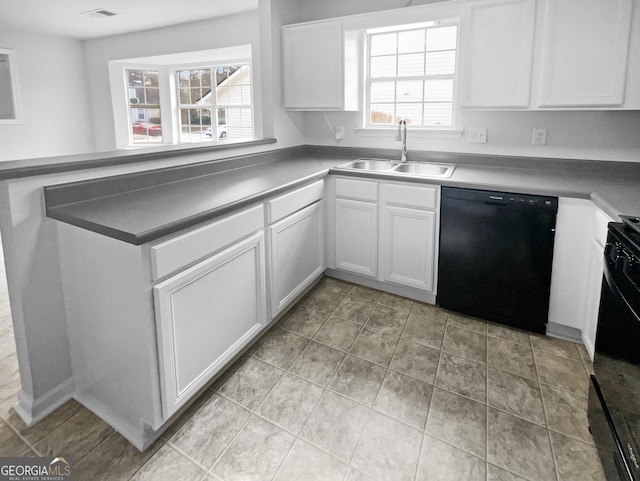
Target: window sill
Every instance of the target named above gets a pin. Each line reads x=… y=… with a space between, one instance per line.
x=422 y=133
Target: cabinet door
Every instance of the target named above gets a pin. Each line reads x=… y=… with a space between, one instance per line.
x=207 y=314
x=592 y=304
x=312 y=65
x=297 y=254
x=585 y=56
x=497 y=67
x=357 y=236
x=407 y=244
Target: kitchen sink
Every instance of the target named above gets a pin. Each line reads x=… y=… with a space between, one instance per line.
x=422 y=169
x=370 y=164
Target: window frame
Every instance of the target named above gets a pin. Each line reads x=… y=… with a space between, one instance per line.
x=370 y=128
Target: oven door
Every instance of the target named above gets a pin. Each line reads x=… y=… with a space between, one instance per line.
x=614 y=399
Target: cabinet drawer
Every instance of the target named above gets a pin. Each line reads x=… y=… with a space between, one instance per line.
x=421 y=197
x=287 y=204
x=357 y=189
x=183 y=250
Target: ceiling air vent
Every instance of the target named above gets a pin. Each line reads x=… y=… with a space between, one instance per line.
x=100 y=13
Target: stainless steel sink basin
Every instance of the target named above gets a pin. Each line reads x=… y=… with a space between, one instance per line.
x=370 y=164
x=426 y=169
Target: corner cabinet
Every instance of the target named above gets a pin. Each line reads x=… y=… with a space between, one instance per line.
x=586 y=44
x=496 y=69
x=320 y=66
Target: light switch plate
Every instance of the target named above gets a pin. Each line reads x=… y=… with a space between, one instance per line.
x=478 y=135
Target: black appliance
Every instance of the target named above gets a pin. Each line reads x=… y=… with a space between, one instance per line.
x=614 y=395
x=496 y=251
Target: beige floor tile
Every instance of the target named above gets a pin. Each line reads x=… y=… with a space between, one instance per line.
x=291 y=402
x=336 y=425
x=519 y=446
x=355 y=475
x=458 y=421
x=44 y=427
x=305 y=322
x=397 y=302
x=415 y=360
x=465 y=343
x=388 y=319
x=366 y=293
x=187 y=414
x=508 y=333
x=556 y=346
x=471 y=323
x=563 y=373
x=8 y=399
x=114 y=459
x=374 y=346
x=205 y=436
x=442 y=462
x=10 y=443
x=335 y=285
x=322 y=298
x=307 y=463
x=495 y=473
x=358 y=379
x=462 y=376
x=338 y=333
x=424 y=331
x=388 y=449
x=75 y=438
x=9 y=372
x=567 y=413
x=255 y=454
x=515 y=394
x=354 y=309
x=429 y=311
x=511 y=357
x=282 y=348
x=576 y=460
x=404 y=398
x=169 y=465
x=250 y=384
x=318 y=363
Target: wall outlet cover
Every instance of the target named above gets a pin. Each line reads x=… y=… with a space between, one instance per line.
x=340 y=132
x=539 y=137
x=478 y=135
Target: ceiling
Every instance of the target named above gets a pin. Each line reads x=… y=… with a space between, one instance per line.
x=64 y=17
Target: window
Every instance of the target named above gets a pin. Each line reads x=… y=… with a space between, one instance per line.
x=214 y=102
x=144 y=106
x=410 y=76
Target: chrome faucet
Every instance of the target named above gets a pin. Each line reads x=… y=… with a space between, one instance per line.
x=401 y=135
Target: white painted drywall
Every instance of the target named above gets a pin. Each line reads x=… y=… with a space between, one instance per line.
x=54 y=97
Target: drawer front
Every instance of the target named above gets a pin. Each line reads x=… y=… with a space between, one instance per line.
x=287 y=204
x=357 y=189
x=418 y=196
x=171 y=255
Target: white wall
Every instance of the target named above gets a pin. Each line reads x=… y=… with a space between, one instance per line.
x=54 y=96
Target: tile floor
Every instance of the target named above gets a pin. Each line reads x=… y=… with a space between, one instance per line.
x=352 y=385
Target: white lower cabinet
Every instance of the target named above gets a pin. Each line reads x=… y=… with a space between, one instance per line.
x=356 y=235
x=207 y=314
x=297 y=254
x=407 y=239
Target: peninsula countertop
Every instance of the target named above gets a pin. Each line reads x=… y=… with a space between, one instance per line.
x=155 y=204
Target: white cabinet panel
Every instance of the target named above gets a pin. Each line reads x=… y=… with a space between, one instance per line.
x=407 y=243
x=592 y=301
x=297 y=255
x=205 y=315
x=498 y=52
x=585 y=52
x=356 y=236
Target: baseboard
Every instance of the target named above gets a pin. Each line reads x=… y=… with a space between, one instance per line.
x=33 y=410
x=564 y=332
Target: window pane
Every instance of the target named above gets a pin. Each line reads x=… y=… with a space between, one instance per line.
x=383 y=44
x=205 y=78
x=145 y=125
x=410 y=64
x=409 y=91
x=441 y=63
x=184 y=96
x=134 y=78
x=235 y=95
x=382 y=114
x=246 y=94
x=153 y=96
x=383 y=92
x=383 y=66
x=411 y=113
x=438 y=90
x=438 y=114
x=150 y=78
x=183 y=78
x=442 y=38
x=411 y=41
x=207 y=97
x=195 y=125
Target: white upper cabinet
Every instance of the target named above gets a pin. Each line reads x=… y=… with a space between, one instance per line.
x=497 y=49
x=320 y=67
x=586 y=45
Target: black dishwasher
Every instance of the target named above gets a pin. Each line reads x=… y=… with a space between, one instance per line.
x=496 y=250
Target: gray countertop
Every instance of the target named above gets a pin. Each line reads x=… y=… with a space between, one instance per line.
x=142 y=214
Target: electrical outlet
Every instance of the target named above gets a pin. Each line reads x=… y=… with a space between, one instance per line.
x=478 y=135
x=340 y=132
x=539 y=137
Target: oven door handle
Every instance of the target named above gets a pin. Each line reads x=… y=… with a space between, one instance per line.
x=616 y=290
